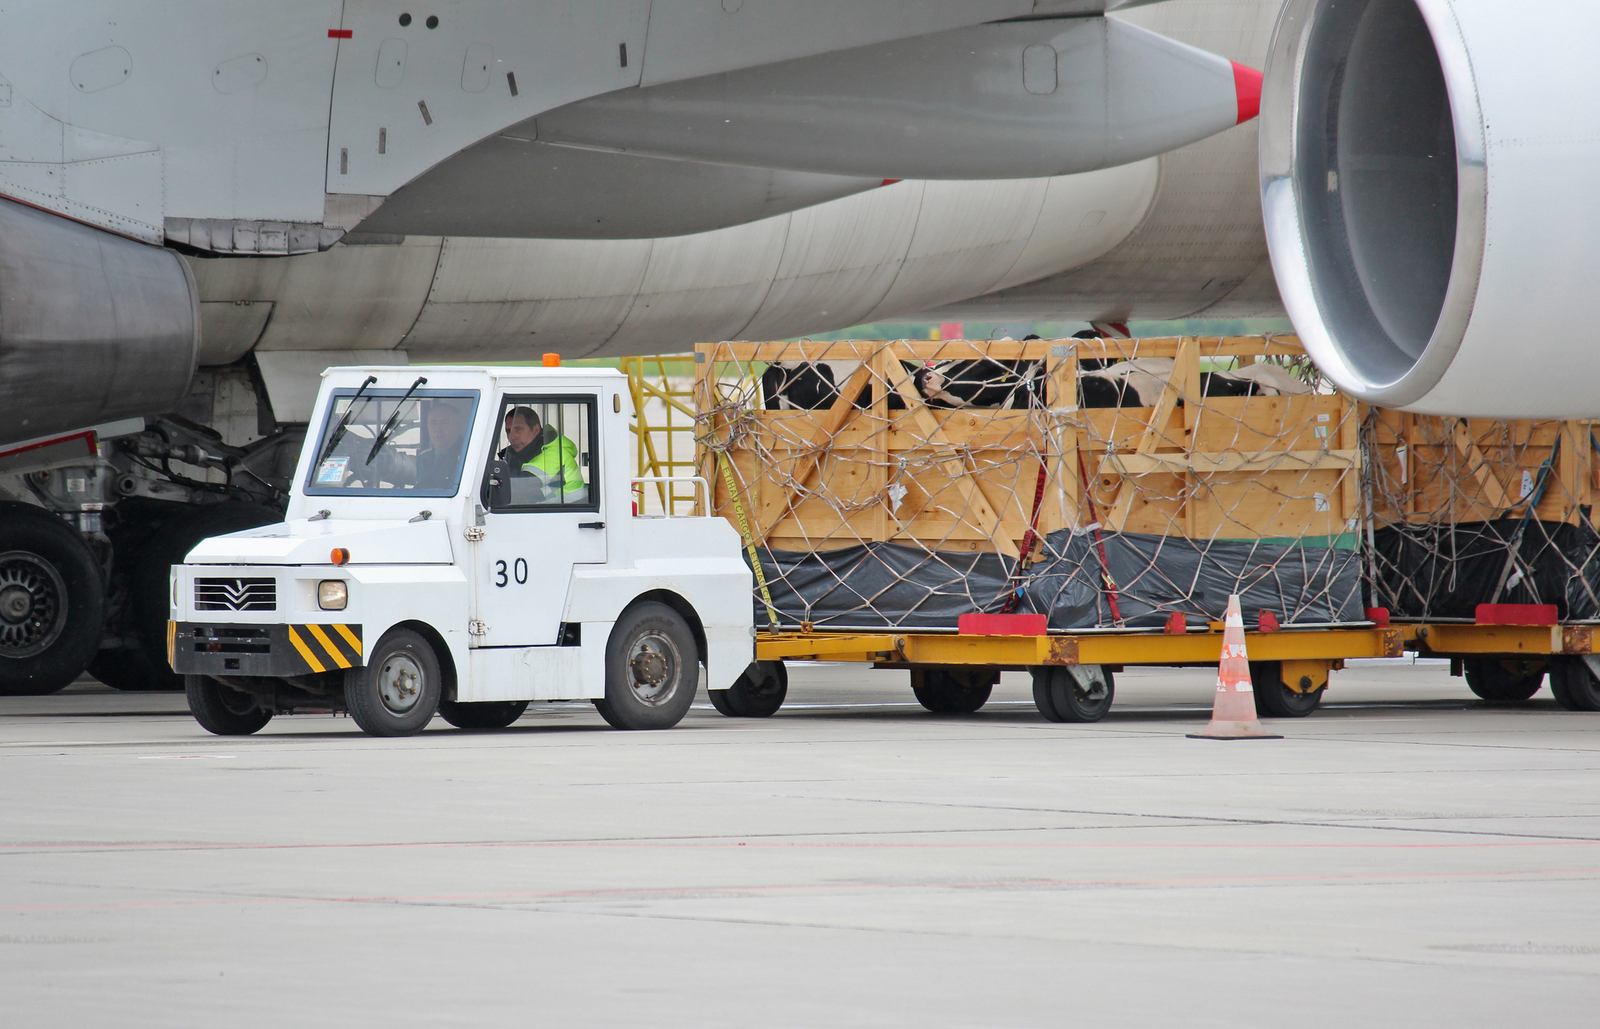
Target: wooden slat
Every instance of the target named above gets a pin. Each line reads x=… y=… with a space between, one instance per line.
x=826 y=426
x=1478 y=464
x=1200 y=464
x=984 y=511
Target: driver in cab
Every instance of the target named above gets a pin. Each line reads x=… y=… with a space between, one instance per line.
x=544 y=454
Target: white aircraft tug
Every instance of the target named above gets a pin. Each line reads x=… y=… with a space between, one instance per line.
x=461 y=541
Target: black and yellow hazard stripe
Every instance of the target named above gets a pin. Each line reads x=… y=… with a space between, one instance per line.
x=325 y=647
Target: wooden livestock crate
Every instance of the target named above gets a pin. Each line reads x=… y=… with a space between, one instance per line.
x=897 y=469
x=1449 y=471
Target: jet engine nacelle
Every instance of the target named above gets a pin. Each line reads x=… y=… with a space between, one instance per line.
x=1428 y=186
x=93 y=326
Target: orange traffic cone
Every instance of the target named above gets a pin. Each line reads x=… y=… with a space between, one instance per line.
x=1233 y=716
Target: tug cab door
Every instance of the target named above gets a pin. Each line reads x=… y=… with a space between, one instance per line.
x=543 y=513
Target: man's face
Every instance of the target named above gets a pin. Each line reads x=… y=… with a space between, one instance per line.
x=519 y=432
x=444 y=427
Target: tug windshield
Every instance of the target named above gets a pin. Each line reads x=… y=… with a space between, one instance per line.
x=381 y=442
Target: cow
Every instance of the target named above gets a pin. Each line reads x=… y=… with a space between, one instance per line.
x=982 y=382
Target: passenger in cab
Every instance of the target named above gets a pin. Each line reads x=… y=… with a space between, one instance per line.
x=545 y=454
x=438 y=466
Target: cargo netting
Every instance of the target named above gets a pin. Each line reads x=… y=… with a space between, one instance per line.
x=1102 y=482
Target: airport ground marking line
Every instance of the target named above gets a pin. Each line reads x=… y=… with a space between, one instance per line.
x=669 y=892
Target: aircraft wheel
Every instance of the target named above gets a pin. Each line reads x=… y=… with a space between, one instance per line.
x=223 y=710
x=652 y=667
x=1073 y=693
x=495 y=714
x=147 y=584
x=52 y=602
x=1274 y=699
x=757 y=693
x=397 y=692
x=953 y=691
x=1503 y=679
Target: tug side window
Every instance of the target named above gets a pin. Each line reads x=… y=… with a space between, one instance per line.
x=543 y=457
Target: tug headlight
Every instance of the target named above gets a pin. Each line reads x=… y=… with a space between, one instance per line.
x=332 y=594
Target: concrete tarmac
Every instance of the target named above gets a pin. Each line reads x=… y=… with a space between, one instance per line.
x=1406 y=856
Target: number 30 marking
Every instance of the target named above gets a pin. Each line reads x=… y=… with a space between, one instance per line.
x=518 y=570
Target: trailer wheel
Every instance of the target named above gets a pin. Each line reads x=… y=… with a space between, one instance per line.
x=52 y=602
x=1503 y=679
x=223 y=710
x=953 y=691
x=1574 y=685
x=651 y=669
x=495 y=714
x=757 y=693
x=397 y=692
x=1274 y=699
x=1073 y=693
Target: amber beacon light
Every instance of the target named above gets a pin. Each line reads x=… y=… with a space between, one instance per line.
x=340 y=556
x=552 y=360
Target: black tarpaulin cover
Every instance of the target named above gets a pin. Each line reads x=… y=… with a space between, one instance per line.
x=1437 y=571
x=884 y=585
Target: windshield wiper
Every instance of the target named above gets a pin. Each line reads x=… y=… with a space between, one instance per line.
x=388 y=426
x=344 y=423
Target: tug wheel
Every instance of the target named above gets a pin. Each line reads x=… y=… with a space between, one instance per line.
x=396 y=693
x=223 y=710
x=652 y=669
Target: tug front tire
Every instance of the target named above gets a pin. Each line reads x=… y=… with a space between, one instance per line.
x=652 y=669
x=397 y=692
x=223 y=710
x=494 y=714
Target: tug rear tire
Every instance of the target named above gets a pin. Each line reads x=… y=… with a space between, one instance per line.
x=652 y=669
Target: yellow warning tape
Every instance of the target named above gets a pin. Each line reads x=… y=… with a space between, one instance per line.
x=749 y=538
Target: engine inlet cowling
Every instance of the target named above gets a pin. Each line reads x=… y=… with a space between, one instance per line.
x=93 y=326
x=1427 y=187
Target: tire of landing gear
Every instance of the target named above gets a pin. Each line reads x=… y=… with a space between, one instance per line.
x=223 y=710
x=1511 y=680
x=652 y=669
x=494 y=714
x=146 y=582
x=953 y=691
x=52 y=602
x=758 y=692
x=1274 y=699
x=1574 y=685
x=1064 y=696
x=397 y=692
